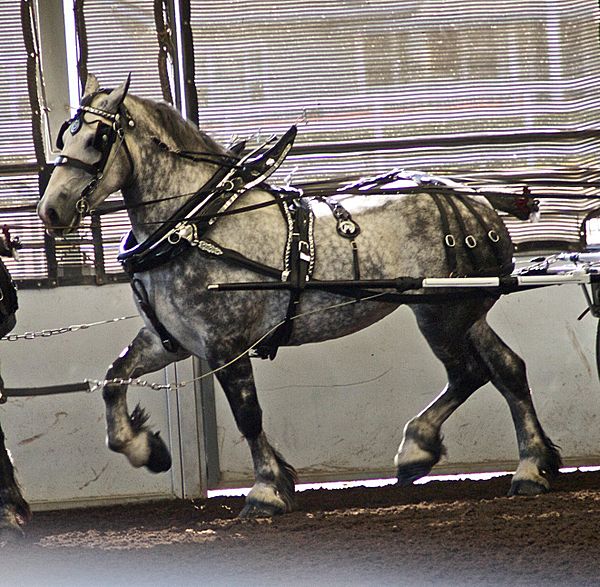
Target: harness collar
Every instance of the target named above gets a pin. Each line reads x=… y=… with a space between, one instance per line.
x=214 y=197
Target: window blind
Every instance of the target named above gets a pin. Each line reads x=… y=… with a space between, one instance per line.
x=19 y=191
x=497 y=98
x=452 y=87
x=121 y=38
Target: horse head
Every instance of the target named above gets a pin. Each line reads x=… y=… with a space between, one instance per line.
x=94 y=159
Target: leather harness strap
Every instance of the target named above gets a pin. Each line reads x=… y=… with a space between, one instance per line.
x=166 y=338
x=347 y=228
x=468 y=239
x=299 y=263
x=187 y=226
x=449 y=240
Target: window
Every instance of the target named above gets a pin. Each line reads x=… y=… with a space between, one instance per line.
x=19 y=169
x=449 y=87
x=459 y=88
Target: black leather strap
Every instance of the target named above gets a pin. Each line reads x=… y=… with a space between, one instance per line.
x=449 y=239
x=168 y=341
x=493 y=243
x=300 y=263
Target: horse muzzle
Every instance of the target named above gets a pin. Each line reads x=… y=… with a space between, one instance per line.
x=55 y=222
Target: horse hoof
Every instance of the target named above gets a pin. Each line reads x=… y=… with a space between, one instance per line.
x=10 y=529
x=10 y=534
x=527 y=487
x=408 y=474
x=254 y=509
x=159 y=460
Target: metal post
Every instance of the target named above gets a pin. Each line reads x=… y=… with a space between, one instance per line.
x=207 y=425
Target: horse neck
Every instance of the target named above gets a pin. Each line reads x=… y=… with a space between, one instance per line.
x=159 y=177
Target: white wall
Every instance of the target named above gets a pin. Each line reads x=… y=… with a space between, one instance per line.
x=338 y=409
x=335 y=410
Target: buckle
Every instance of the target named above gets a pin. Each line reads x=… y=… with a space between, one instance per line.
x=183 y=231
x=304 y=251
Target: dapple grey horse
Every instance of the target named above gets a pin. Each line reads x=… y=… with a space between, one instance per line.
x=400 y=236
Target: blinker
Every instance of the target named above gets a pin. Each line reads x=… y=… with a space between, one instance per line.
x=73 y=124
x=76 y=125
x=102 y=136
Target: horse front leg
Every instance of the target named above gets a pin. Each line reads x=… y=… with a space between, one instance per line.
x=129 y=434
x=273 y=489
x=14 y=510
x=421 y=446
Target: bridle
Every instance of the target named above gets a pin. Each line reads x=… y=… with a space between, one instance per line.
x=105 y=138
x=107 y=135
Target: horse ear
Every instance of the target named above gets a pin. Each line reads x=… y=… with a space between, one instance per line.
x=116 y=97
x=91 y=85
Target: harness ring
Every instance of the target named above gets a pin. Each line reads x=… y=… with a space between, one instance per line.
x=174 y=238
x=493 y=236
x=82 y=206
x=470 y=241
x=228 y=186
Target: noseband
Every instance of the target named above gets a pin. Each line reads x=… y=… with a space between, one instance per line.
x=105 y=138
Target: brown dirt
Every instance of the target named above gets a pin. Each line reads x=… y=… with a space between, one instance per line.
x=442 y=533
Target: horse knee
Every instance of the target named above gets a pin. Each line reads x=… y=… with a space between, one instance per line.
x=248 y=417
x=512 y=368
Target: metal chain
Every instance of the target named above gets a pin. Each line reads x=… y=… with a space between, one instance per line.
x=96 y=384
x=47 y=332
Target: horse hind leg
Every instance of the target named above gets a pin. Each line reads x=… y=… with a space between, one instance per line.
x=539 y=458
x=130 y=434
x=273 y=489
x=422 y=446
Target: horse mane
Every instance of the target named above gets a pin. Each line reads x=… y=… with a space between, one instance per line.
x=184 y=134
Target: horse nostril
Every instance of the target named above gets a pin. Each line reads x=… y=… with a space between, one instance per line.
x=52 y=217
